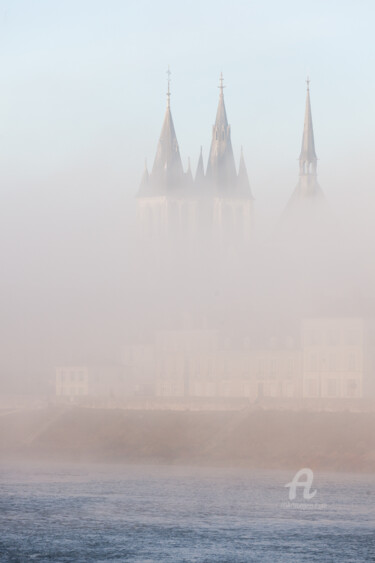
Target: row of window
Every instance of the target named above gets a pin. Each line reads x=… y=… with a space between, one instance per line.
x=72 y=375
x=332 y=362
x=227 y=389
x=70 y=391
x=333 y=388
x=332 y=337
x=245 y=368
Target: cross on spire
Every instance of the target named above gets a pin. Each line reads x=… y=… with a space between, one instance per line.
x=221 y=85
x=169 y=87
x=308 y=83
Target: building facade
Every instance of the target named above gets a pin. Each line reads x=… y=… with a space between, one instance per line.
x=80 y=382
x=338 y=358
x=330 y=359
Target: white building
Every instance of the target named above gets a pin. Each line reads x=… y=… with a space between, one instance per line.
x=335 y=359
x=338 y=358
x=332 y=359
x=196 y=364
x=80 y=381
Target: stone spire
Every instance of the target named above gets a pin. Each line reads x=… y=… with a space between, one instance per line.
x=243 y=184
x=307 y=158
x=307 y=189
x=221 y=169
x=143 y=186
x=189 y=175
x=199 y=175
x=167 y=171
x=146 y=175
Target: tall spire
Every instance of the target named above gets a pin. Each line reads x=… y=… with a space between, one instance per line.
x=144 y=185
x=307 y=158
x=199 y=175
x=221 y=169
x=146 y=175
x=243 y=183
x=167 y=170
x=188 y=174
x=169 y=88
x=307 y=189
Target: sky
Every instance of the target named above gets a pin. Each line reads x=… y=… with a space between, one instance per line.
x=82 y=99
x=82 y=89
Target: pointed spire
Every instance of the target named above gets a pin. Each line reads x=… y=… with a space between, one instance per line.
x=199 y=175
x=243 y=178
x=146 y=175
x=221 y=169
x=307 y=189
x=188 y=173
x=307 y=158
x=144 y=181
x=221 y=114
x=169 y=88
x=167 y=169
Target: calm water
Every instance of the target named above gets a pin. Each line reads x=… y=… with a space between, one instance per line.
x=172 y=514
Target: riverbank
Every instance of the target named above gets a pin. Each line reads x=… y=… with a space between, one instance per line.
x=337 y=441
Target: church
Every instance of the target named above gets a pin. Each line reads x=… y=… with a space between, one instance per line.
x=216 y=201
x=219 y=330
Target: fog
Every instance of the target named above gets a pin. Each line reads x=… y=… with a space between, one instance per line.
x=235 y=291
x=78 y=283
x=187 y=304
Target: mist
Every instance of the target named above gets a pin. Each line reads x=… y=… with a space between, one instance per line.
x=187 y=327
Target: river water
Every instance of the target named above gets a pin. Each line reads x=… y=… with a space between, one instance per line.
x=144 y=513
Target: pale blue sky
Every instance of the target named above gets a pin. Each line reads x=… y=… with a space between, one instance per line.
x=82 y=89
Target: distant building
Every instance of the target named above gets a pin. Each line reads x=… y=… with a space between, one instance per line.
x=335 y=359
x=307 y=188
x=139 y=360
x=217 y=203
x=199 y=364
x=338 y=358
x=78 y=382
x=72 y=381
x=331 y=359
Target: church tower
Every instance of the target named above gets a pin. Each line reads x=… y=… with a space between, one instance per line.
x=307 y=192
x=161 y=194
x=221 y=169
x=216 y=205
x=232 y=198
